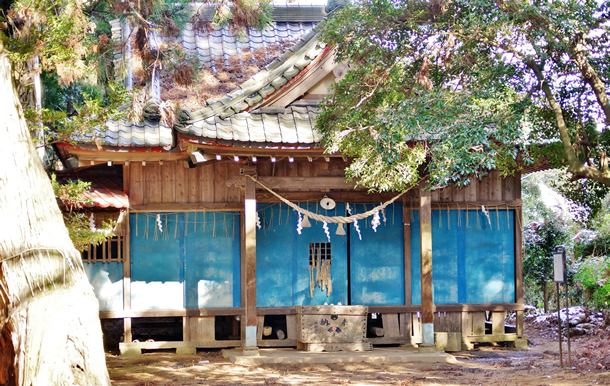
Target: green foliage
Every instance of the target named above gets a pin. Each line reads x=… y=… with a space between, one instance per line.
x=587 y=193
x=457 y=78
x=593 y=276
x=540 y=239
x=71 y=195
x=81 y=233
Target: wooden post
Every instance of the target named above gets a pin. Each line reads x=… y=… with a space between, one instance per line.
x=127 y=280
x=250 y=301
x=518 y=218
x=427 y=305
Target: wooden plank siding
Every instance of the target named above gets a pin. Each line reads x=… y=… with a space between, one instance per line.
x=170 y=183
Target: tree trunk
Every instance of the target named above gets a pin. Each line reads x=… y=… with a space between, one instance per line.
x=50 y=331
x=545 y=296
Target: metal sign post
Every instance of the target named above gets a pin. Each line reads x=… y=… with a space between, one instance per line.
x=559 y=275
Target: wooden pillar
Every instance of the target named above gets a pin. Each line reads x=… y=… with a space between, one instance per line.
x=518 y=256
x=427 y=305
x=250 y=248
x=127 y=337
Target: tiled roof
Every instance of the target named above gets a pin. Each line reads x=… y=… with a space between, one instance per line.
x=232 y=118
x=220 y=45
x=104 y=194
x=124 y=133
x=294 y=128
x=266 y=82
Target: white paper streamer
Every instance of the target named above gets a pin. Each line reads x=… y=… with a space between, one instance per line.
x=258 y=221
x=299 y=223
x=376 y=221
x=486 y=213
x=325 y=226
x=357 y=229
x=159 y=223
x=92 y=222
x=385 y=219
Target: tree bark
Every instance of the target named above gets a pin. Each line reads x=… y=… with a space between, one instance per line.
x=545 y=296
x=575 y=166
x=50 y=332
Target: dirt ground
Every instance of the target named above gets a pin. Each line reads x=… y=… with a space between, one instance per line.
x=487 y=365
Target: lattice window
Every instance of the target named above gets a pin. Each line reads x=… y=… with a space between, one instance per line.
x=113 y=249
x=323 y=249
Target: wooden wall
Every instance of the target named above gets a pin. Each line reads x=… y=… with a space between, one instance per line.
x=301 y=167
x=491 y=188
x=170 y=182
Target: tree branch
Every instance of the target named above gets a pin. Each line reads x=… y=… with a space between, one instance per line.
x=591 y=77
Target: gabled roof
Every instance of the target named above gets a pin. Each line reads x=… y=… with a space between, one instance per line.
x=294 y=128
x=273 y=78
x=217 y=47
x=236 y=118
x=124 y=133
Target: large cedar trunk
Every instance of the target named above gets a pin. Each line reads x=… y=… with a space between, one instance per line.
x=50 y=332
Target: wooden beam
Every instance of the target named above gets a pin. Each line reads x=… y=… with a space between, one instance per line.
x=425 y=226
x=171 y=313
x=189 y=207
x=296 y=183
x=250 y=151
x=398 y=309
x=310 y=78
x=264 y=197
x=517 y=226
x=101 y=157
x=276 y=311
x=473 y=205
x=250 y=246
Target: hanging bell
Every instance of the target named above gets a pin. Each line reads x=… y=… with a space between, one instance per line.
x=340 y=231
x=305 y=223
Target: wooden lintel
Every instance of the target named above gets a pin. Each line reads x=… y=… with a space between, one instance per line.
x=276 y=311
x=98 y=157
x=258 y=151
x=264 y=197
x=171 y=313
x=296 y=183
x=473 y=205
x=190 y=207
x=399 y=309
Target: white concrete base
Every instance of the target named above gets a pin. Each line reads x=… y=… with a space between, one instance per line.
x=251 y=336
x=427 y=332
x=378 y=356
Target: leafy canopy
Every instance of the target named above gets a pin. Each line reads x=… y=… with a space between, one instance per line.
x=456 y=88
